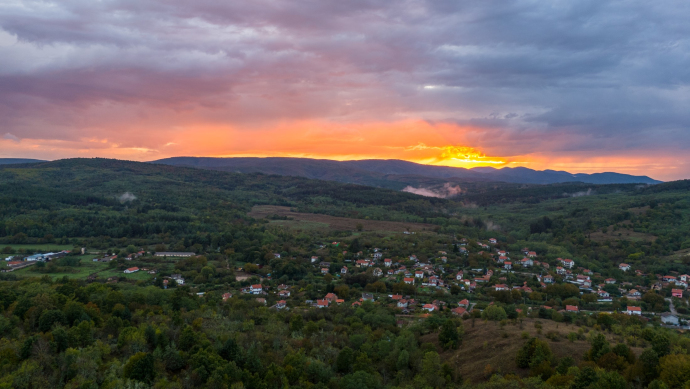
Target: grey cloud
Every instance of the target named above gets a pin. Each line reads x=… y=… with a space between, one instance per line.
x=612 y=74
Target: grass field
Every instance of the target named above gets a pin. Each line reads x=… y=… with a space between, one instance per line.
x=78 y=272
x=485 y=344
x=316 y=221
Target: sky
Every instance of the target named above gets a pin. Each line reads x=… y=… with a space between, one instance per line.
x=583 y=86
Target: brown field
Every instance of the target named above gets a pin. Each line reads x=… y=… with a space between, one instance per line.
x=485 y=345
x=625 y=233
x=315 y=221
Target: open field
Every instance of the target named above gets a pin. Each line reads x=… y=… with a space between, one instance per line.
x=623 y=233
x=485 y=345
x=317 y=221
x=78 y=272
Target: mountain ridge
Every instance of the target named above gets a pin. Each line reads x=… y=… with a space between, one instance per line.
x=394 y=173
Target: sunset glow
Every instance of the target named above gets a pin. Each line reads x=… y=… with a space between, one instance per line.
x=267 y=79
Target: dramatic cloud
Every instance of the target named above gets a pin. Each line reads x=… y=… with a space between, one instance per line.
x=582 y=86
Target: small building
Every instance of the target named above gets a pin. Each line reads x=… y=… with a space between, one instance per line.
x=464 y=303
x=408 y=280
x=324 y=270
x=493 y=240
x=388 y=262
x=419 y=274
x=281 y=304
x=548 y=279
x=624 y=266
x=499 y=287
x=132 y=270
x=610 y=281
x=377 y=272
x=284 y=293
x=459 y=311
x=572 y=308
x=508 y=265
x=180 y=254
x=430 y=307
x=669 y=318
x=322 y=303
x=459 y=275
x=367 y=297
x=256 y=289
x=343 y=270
x=677 y=293
x=314 y=259
x=637 y=311
x=331 y=297
x=568 y=263
x=227 y=296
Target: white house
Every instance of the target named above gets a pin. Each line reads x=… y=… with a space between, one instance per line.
x=132 y=270
x=624 y=266
x=256 y=289
x=569 y=263
x=634 y=311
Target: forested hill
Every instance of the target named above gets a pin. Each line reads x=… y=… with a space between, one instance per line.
x=13 y=161
x=394 y=173
x=91 y=197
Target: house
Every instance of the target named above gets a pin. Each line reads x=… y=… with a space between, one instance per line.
x=462 y=250
x=378 y=255
x=282 y=287
x=548 y=279
x=502 y=258
x=174 y=254
x=402 y=303
x=339 y=301
x=493 y=241
x=532 y=254
x=634 y=293
x=276 y=255
x=331 y=297
x=362 y=263
x=560 y=270
x=377 y=272
x=459 y=311
x=572 y=308
x=388 y=262
x=498 y=287
x=603 y=294
x=408 y=280
x=459 y=275
x=322 y=303
x=324 y=270
x=508 y=265
x=419 y=274
x=281 y=304
x=430 y=307
x=677 y=293
x=444 y=259
x=634 y=311
x=284 y=293
x=569 y=263
x=178 y=279
x=669 y=279
x=343 y=270
x=624 y=266
x=588 y=272
x=227 y=296
x=256 y=289
x=464 y=303
x=367 y=297
x=581 y=279
x=669 y=318
x=132 y=270
x=684 y=278
x=314 y=259
x=413 y=258
x=526 y=262
x=396 y=296
x=610 y=281
x=502 y=253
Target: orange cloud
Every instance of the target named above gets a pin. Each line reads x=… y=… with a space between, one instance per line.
x=417 y=141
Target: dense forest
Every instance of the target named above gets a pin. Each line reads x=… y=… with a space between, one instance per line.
x=166 y=277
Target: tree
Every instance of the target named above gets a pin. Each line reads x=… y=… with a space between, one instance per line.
x=431 y=366
x=495 y=313
x=140 y=367
x=49 y=318
x=449 y=337
x=343 y=363
x=674 y=370
x=600 y=346
x=533 y=353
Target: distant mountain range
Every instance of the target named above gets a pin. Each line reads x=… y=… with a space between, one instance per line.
x=397 y=174
x=13 y=161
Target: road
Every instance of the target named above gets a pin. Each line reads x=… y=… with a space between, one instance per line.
x=670 y=306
